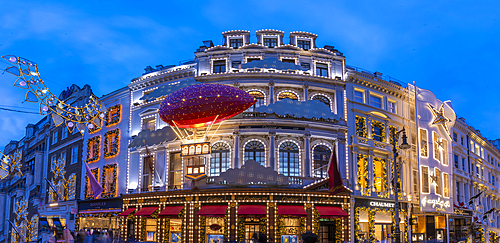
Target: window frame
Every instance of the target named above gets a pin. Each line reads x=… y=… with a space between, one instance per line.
x=252 y=152
x=372 y=103
x=236 y=42
x=425 y=183
x=222 y=160
x=74 y=156
x=304 y=43
x=269 y=44
x=323 y=170
x=362 y=92
x=285 y=162
x=323 y=71
x=217 y=66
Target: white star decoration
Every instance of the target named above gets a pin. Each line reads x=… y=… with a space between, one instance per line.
x=439 y=117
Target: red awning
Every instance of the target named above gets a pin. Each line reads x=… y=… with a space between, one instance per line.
x=171 y=211
x=331 y=212
x=293 y=210
x=126 y=212
x=257 y=210
x=146 y=211
x=213 y=210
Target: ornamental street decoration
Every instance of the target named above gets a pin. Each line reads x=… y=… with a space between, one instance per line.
x=73 y=117
x=10 y=164
x=439 y=117
x=203 y=105
x=24 y=229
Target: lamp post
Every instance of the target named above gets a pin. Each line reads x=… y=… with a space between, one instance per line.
x=403 y=146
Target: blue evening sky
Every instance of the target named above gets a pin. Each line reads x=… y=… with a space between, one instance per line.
x=450 y=47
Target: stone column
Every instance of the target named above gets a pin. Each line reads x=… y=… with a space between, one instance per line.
x=236 y=149
x=272 y=152
x=307 y=159
x=306 y=91
x=271 y=92
x=371 y=173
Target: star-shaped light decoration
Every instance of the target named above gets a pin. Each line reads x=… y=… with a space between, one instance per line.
x=439 y=117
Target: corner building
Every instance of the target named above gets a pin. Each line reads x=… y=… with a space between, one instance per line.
x=264 y=170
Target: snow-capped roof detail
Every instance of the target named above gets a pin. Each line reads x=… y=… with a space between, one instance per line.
x=150 y=138
x=168 y=89
x=300 y=109
x=272 y=63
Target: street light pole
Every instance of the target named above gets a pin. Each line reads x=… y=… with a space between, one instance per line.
x=403 y=146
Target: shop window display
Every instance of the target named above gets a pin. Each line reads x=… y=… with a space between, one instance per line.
x=151 y=230
x=214 y=229
x=290 y=230
x=380 y=177
x=363 y=176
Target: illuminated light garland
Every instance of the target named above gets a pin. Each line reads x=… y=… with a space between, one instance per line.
x=94 y=145
x=73 y=117
x=88 y=193
x=371 y=222
x=114 y=119
x=112 y=192
x=363 y=176
x=361 y=130
x=96 y=128
x=108 y=153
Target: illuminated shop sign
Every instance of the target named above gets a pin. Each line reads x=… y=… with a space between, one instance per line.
x=381 y=204
x=195 y=149
x=437 y=204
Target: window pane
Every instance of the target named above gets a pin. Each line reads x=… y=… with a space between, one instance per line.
x=359 y=96
x=219 y=66
x=376 y=101
x=289 y=95
x=323 y=99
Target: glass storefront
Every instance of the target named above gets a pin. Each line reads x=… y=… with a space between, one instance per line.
x=430 y=228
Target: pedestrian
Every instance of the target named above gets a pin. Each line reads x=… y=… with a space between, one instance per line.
x=262 y=238
x=309 y=237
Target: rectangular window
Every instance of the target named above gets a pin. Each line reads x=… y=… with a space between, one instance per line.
x=322 y=69
x=252 y=59
x=235 y=64
x=477 y=170
x=109 y=181
x=361 y=127
x=306 y=65
x=392 y=106
x=455 y=159
x=271 y=42
x=376 y=101
x=288 y=60
x=463 y=164
x=455 y=136
x=151 y=229
x=359 y=96
x=446 y=187
x=423 y=143
x=458 y=191
x=219 y=66
x=74 y=155
x=415 y=182
x=175 y=175
x=378 y=131
x=380 y=177
x=425 y=179
x=236 y=42
x=304 y=44
x=462 y=140
x=64 y=132
x=493 y=180
x=53 y=162
x=436 y=144
x=363 y=175
x=149 y=124
x=54 y=137
x=444 y=143
x=63 y=156
x=147 y=173
x=437 y=177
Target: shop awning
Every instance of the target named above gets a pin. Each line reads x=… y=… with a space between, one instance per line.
x=213 y=210
x=146 y=211
x=126 y=212
x=254 y=210
x=101 y=211
x=171 y=211
x=293 y=210
x=331 y=212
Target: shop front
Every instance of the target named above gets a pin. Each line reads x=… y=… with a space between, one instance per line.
x=461 y=225
x=100 y=215
x=214 y=216
x=374 y=220
x=429 y=228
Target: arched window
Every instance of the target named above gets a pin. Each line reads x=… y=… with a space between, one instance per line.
x=72 y=187
x=287 y=94
x=260 y=97
x=321 y=158
x=289 y=159
x=322 y=98
x=255 y=150
x=220 y=160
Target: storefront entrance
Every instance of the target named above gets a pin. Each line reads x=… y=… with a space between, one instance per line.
x=383 y=232
x=327 y=230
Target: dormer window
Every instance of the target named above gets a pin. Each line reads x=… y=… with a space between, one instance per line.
x=322 y=69
x=236 y=42
x=219 y=66
x=271 y=42
x=304 y=44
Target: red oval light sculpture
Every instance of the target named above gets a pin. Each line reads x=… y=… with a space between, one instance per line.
x=203 y=104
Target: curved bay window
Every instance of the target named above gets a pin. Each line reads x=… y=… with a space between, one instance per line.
x=255 y=150
x=287 y=95
x=289 y=159
x=321 y=157
x=260 y=97
x=220 y=160
x=323 y=99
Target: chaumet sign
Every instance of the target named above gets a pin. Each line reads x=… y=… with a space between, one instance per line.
x=381 y=204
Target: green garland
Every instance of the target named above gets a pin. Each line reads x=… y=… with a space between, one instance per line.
x=315 y=220
x=182 y=215
x=112 y=193
x=263 y=225
x=95 y=148
x=96 y=128
x=363 y=175
x=481 y=234
x=392 y=131
x=338 y=230
x=115 y=146
x=493 y=236
x=226 y=224
x=116 y=119
x=241 y=228
x=143 y=229
x=381 y=126
x=166 y=232
x=361 y=127
x=383 y=180
x=203 y=223
x=96 y=175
